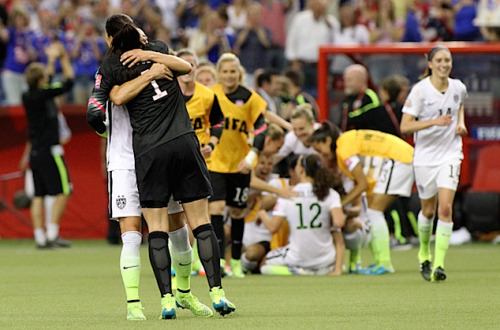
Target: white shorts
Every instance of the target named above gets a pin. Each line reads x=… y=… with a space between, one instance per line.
x=430 y=178
x=357 y=239
x=395 y=178
x=277 y=257
x=254 y=233
x=124 y=196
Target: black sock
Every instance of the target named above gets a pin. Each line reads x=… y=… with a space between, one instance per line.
x=159 y=256
x=209 y=253
x=218 y=226
x=237 y=228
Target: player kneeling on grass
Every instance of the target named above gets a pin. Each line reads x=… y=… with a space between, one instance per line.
x=380 y=165
x=314 y=217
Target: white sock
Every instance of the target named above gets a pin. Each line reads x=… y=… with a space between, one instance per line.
x=247 y=264
x=40 y=237
x=182 y=257
x=380 y=237
x=48 y=204
x=52 y=231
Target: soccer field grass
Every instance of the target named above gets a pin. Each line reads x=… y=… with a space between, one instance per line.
x=81 y=288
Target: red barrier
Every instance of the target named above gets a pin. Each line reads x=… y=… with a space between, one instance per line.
x=86 y=212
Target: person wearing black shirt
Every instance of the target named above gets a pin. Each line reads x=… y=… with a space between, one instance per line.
x=46 y=159
x=167 y=155
x=361 y=108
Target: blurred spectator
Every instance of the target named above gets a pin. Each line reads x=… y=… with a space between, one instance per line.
x=269 y=86
x=19 y=53
x=302 y=46
x=146 y=16
x=386 y=28
x=294 y=80
x=46 y=35
x=86 y=55
x=215 y=4
x=101 y=10
x=366 y=11
x=210 y=40
x=3 y=49
x=412 y=25
x=273 y=17
x=393 y=93
x=189 y=14
x=488 y=19
x=252 y=43
x=169 y=16
x=361 y=108
x=205 y=74
x=465 y=12
x=163 y=33
x=237 y=14
x=349 y=33
x=440 y=23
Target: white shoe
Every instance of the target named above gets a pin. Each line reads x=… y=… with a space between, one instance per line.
x=460 y=236
x=496 y=240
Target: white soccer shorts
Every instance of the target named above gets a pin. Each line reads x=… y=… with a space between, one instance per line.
x=430 y=178
x=124 y=196
x=395 y=178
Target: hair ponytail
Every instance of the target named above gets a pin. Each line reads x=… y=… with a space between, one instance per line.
x=126 y=39
x=323 y=180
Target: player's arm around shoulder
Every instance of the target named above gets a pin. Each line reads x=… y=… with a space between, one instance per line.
x=174 y=63
x=124 y=93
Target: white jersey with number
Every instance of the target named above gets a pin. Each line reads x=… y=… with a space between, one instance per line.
x=436 y=144
x=119 y=153
x=310 y=242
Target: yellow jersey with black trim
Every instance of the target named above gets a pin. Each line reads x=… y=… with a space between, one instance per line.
x=372 y=147
x=198 y=107
x=239 y=119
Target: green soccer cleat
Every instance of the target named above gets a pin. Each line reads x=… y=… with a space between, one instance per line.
x=168 y=305
x=134 y=312
x=438 y=275
x=220 y=302
x=188 y=301
x=376 y=270
x=426 y=270
x=236 y=269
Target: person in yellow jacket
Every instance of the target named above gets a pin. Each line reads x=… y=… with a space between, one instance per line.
x=203 y=107
x=232 y=160
x=380 y=165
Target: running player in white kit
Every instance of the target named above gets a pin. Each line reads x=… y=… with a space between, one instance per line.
x=314 y=217
x=434 y=112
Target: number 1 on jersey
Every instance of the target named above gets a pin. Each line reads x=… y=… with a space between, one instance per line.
x=158 y=93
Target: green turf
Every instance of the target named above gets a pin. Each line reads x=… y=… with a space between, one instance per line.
x=80 y=288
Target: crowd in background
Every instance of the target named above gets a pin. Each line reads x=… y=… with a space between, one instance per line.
x=266 y=33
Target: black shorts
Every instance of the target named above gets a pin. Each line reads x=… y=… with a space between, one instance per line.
x=175 y=168
x=231 y=187
x=50 y=173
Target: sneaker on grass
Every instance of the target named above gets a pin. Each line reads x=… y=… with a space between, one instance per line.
x=188 y=301
x=168 y=306
x=438 y=275
x=426 y=270
x=135 y=311
x=220 y=302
